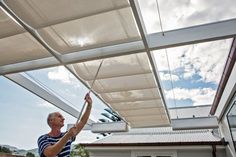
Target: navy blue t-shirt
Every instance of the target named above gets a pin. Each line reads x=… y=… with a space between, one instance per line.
x=46 y=140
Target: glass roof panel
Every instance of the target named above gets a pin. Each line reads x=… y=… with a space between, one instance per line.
x=63 y=84
x=185 y=13
x=195 y=72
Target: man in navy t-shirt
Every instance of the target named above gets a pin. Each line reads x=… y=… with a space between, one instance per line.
x=57 y=143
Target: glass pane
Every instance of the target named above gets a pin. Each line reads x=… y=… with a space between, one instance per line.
x=62 y=83
x=195 y=72
x=232 y=122
x=184 y=13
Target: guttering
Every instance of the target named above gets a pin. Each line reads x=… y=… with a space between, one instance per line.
x=225 y=76
x=205 y=143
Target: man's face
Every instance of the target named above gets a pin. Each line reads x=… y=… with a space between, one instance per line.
x=57 y=120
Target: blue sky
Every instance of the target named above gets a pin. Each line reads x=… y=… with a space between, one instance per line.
x=196 y=71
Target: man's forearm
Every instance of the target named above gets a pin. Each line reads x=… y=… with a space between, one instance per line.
x=86 y=114
x=84 y=118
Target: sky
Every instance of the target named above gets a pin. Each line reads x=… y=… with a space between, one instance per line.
x=195 y=73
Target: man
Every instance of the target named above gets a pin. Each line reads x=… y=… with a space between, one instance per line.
x=57 y=143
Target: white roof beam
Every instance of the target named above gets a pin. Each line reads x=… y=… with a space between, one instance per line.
x=109 y=127
x=192 y=35
x=194 y=123
x=28 y=65
x=104 y=52
x=40 y=91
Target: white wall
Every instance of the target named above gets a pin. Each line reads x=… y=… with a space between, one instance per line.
x=201 y=153
x=109 y=153
x=225 y=132
x=174 y=153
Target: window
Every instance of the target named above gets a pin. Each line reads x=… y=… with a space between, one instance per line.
x=153 y=153
x=231 y=116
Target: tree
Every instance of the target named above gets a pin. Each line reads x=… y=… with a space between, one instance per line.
x=29 y=154
x=5 y=150
x=79 y=151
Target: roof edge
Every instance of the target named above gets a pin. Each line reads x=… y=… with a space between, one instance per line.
x=225 y=76
x=155 y=144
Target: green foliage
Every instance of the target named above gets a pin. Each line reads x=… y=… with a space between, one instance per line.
x=79 y=151
x=5 y=150
x=29 y=154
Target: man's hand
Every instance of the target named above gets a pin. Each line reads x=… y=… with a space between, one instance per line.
x=88 y=99
x=73 y=131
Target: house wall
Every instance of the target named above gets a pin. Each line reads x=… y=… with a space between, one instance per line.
x=227 y=98
x=109 y=153
x=202 y=153
x=225 y=132
x=153 y=153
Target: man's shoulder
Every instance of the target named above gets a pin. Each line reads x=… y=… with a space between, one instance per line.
x=44 y=136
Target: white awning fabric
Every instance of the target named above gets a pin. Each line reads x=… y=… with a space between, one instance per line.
x=80 y=27
x=16 y=45
x=127 y=84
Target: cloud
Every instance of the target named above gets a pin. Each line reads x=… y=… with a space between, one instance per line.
x=199 y=96
x=208 y=59
x=166 y=77
x=205 y=59
x=63 y=75
x=185 y=13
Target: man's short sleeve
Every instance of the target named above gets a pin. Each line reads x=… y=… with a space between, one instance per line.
x=42 y=144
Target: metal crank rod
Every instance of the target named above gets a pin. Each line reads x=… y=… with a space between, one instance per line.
x=89 y=92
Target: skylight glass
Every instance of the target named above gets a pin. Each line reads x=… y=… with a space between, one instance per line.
x=195 y=72
x=63 y=84
x=184 y=13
